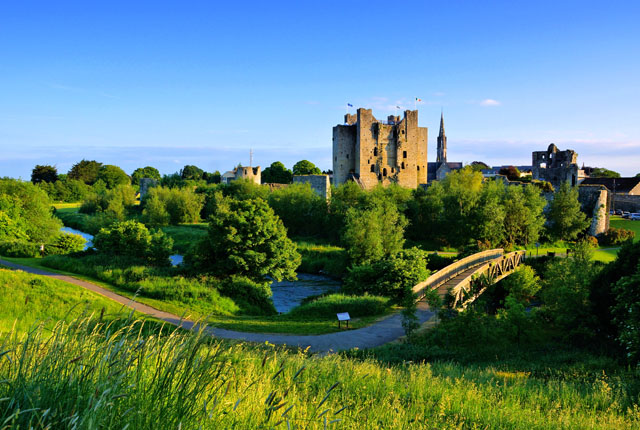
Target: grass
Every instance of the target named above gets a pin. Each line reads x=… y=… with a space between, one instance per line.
x=95 y=376
x=619 y=222
x=185 y=235
x=27 y=299
x=211 y=312
x=322 y=258
x=67 y=207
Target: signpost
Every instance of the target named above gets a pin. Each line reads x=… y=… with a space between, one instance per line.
x=344 y=316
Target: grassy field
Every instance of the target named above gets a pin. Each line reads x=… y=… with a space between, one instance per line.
x=112 y=379
x=27 y=299
x=619 y=222
x=185 y=235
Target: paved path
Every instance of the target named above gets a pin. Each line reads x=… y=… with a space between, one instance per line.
x=384 y=331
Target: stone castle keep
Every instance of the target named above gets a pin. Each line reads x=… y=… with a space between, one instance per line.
x=373 y=152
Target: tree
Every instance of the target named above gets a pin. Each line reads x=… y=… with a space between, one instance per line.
x=566 y=220
x=479 y=165
x=522 y=284
x=302 y=211
x=512 y=173
x=85 y=171
x=523 y=214
x=373 y=231
x=44 y=173
x=212 y=178
x=113 y=176
x=144 y=172
x=132 y=239
x=190 y=172
x=164 y=206
x=245 y=238
x=305 y=167
x=26 y=212
x=277 y=173
x=601 y=172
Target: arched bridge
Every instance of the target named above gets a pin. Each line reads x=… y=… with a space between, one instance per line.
x=460 y=279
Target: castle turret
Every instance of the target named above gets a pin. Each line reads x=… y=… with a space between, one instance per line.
x=442 y=143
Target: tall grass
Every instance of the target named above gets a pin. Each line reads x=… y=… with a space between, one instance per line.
x=86 y=375
x=329 y=305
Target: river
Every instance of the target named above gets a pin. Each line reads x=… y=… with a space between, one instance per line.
x=286 y=294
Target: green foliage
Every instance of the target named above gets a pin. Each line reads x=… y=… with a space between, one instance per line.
x=616 y=236
x=253 y=297
x=44 y=173
x=190 y=172
x=523 y=215
x=566 y=220
x=512 y=173
x=328 y=306
x=68 y=242
x=144 y=172
x=113 y=176
x=66 y=190
x=305 y=167
x=392 y=277
x=245 y=189
x=246 y=238
x=85 y=171
x=302 y=211
x=323 y=259
x=373 y=231
x=19 y=248
x=522 y=284
x=626 y=313
x=477 y=166
x=277 y=173
x=113 y=202
x=132 y=239
x=25 y=212
x=164 y=206
x=601 y=172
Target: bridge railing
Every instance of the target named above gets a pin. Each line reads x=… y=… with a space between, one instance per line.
x=452 y=270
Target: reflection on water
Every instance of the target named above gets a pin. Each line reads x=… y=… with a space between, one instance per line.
x=289 y=294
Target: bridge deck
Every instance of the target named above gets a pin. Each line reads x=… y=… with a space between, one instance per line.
x=453 y=282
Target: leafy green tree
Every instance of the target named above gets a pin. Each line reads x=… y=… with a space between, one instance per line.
x=460 y=198
x=566 y=220
x=245 y=238
x=373 y=231
x=190 y=172
x=114 y=202
x=523 y=214
x=302 y=211
x=601 y=172
x=113 y=176
x=44 y=173
x=145 y=172
x=245 y=189
x=277 y=173
x=133 y=239
x=490 y=215
x=512 y=173
x=212 y=178
x=305 y=167
x=173 y=180
x=68 y=242
x=522 y=284
x=477 y=166
x=627 y=314
x=29 y=211
x=85 y=171
x=172 y=205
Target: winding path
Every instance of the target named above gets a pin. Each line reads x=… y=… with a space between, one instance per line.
x=384 y=331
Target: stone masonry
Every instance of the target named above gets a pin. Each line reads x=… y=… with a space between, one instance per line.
x=555 y=166
x=319 y=183
x=373 y=152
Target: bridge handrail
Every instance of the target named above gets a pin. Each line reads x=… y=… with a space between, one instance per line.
x=443 y=275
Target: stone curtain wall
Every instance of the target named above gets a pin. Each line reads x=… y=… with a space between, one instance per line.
x=595 y=202
x=319 y=183
x=626 y=202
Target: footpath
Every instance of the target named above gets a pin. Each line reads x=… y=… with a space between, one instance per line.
x=379 y=333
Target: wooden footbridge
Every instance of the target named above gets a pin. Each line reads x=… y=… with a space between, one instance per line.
x=466 y=279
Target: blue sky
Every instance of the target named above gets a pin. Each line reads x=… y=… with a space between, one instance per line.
x=162 y=84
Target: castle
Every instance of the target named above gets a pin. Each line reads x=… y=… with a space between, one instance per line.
x=373 y=152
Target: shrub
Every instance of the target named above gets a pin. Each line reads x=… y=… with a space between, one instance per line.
x=19 y=248
x=253 y=297
x=301 y=210
x=133 y=239
x=328 y=306
x=616 y=236
x=69 y=242
x=164 y=206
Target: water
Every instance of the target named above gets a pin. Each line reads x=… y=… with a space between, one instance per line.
x=175 y=259
x=289 y=294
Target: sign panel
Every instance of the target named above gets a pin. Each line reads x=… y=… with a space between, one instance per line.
x=343 y=316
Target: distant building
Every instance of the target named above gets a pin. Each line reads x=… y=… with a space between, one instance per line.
x=254 y=174
x=557 y=166
x=622 y=186
x=441 y=168
x=371 y=152
x=320 y=184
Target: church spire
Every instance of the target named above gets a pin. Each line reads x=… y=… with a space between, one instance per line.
x=442 y=142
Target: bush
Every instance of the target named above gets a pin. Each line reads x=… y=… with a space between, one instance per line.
x=133 y=239
x=253 y=297
x=19 y=249
x=164 y=206
x=616 y=236
x=301 y=210
x=69 y=242
x=328 y=306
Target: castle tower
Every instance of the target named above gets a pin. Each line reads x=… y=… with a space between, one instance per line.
x=442 y=143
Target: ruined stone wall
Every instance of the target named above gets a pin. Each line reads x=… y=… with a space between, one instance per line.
x=626 y=202
x=391 y=152
x=254 y=174
x=145 y=184
x=555 y=166
x=595 y=201
x=320 y=184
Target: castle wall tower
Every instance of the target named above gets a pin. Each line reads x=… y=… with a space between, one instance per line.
x=380 y=152
x=442 y=143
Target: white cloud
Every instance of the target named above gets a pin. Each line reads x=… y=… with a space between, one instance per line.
x=490 y=102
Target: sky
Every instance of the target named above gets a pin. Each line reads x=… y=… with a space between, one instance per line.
x=173 y=83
